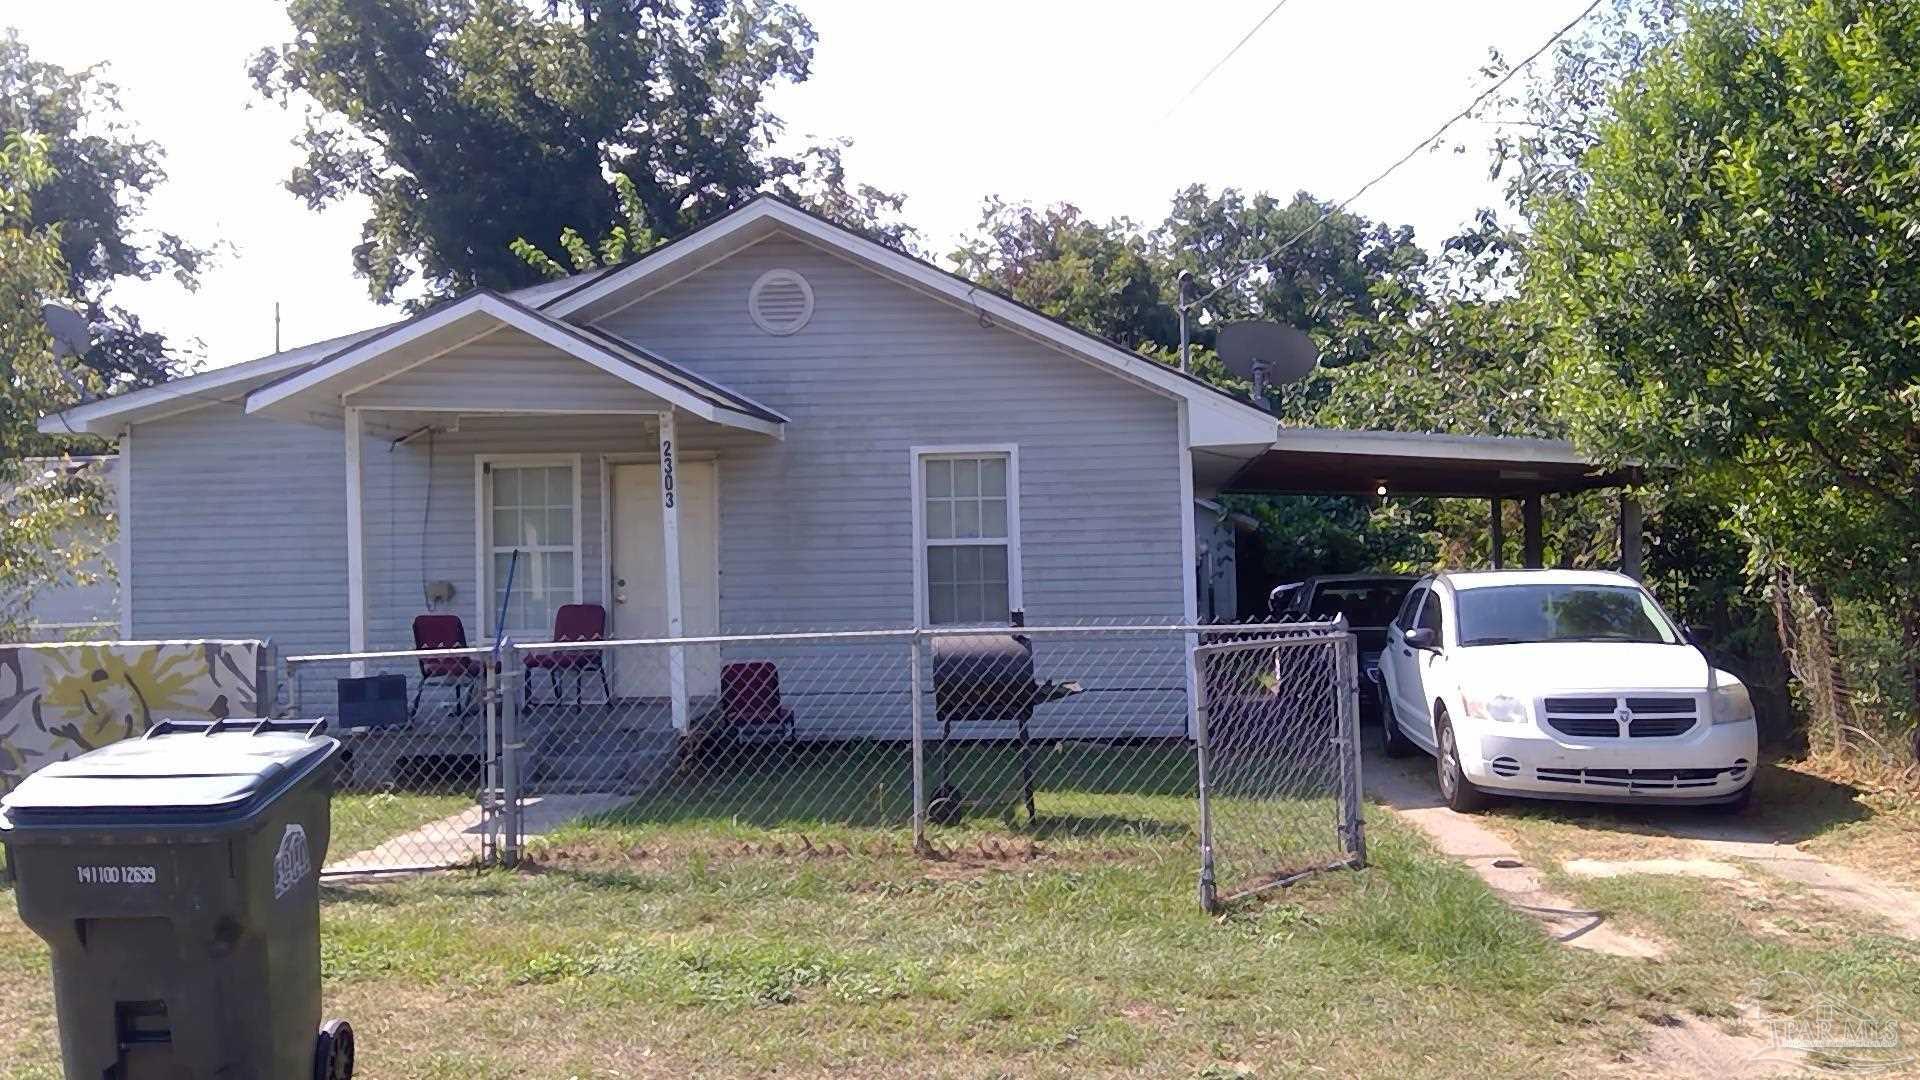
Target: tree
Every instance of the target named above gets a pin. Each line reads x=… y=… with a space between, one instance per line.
x=1732 y=289
x=38 y=507
x=101 y=176
x=820 y=185
x=1104 y=278
x=1258 y=257
x=470 y=124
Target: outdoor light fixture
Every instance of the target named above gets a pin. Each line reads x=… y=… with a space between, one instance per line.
x=1380 y=489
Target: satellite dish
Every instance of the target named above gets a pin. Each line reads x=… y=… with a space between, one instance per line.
x=1266 y=353
x=72 y=334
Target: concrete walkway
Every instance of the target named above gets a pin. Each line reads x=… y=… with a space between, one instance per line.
x=457 y=839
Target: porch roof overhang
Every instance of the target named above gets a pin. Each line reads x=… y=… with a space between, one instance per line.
x=324 y=387
x=1318 y=461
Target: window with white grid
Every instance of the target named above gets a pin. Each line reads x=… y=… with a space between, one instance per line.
x=969 y=537
x=532 y=508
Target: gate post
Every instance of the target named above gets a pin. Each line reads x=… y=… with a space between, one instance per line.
x=917 y=708
x=1352 y=828
x=1202 y=747
x=492 y=790
x=510 y=746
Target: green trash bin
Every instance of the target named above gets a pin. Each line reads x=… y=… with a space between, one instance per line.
x=175 y=878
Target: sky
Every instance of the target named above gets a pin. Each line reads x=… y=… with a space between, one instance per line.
x=1035 y=100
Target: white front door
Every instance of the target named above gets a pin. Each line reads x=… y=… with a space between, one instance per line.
x=639 y=577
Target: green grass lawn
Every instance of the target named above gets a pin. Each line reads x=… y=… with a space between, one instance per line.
x=362 y=821
x=1116 y=801
x=703 y=962
x=750 y=932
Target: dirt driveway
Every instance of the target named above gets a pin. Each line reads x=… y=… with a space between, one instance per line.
x=1738 y=910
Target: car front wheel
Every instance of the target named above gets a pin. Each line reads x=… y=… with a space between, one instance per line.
x=1460 y=794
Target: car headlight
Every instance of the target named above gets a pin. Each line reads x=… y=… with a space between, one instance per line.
x=1732 y=704
x=1500 y=708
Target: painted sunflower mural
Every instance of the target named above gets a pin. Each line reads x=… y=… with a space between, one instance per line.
x=59 y=701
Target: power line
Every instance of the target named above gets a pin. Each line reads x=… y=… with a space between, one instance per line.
x=1406 y=157
x=1222 y=62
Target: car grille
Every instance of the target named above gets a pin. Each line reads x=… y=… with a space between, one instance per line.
x=1595 y=717
x=1640 y=779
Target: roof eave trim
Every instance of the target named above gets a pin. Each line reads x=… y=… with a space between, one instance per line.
x=740 y=413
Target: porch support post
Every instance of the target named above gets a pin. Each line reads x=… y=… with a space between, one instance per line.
x=1533 y=548
x=670 y=559
x=1497 y=528
x=1631 y=535
x=356 y=545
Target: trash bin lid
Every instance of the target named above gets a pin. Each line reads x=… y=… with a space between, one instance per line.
x=185 y=774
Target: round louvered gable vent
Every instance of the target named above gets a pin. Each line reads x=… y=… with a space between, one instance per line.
x=781 y=302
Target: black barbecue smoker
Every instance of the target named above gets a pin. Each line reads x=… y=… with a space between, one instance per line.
x=986 y=678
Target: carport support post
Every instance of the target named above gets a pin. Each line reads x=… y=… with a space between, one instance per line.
x=1533 y=548
x=670 y=553
x=1631 y=529
x=1497 y=526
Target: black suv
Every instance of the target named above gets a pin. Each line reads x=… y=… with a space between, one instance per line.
x=1369 y=601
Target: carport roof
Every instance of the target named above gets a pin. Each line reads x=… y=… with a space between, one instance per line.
x=1319 y=461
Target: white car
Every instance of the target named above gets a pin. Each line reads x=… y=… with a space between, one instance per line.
x=1562 y=684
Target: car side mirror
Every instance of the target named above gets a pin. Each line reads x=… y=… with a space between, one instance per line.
x=1421 y=637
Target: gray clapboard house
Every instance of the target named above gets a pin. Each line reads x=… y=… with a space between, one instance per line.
x=855 y=438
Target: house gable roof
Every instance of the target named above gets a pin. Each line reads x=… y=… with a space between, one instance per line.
x=371 y=360
x=567 y=309
x=1216 y=418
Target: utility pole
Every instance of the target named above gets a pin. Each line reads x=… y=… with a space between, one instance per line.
x=276 y=326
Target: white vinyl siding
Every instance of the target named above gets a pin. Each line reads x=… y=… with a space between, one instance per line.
x=967 y=507
x=817 y=531
x=237 y=528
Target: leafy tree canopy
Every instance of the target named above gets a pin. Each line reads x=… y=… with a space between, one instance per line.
x=471 y=124
x=1107 y=278
x=38 y=506
x=100 y=174
x=1733 y=290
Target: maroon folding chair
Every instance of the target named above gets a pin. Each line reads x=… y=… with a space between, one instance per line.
x=750 y=699
x=461 y=672
x=573 y=622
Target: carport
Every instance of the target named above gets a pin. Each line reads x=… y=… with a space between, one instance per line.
x=1319 y=461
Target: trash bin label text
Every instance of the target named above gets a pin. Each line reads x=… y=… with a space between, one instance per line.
x=116 y=875
x=292 y=863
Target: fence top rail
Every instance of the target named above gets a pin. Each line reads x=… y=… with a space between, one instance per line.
x=1320 y=635
x=909 y=633
x=395 y=654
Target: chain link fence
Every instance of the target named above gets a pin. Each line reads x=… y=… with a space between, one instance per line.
x=1081 y=739
x=1279 y=761
x=422 y=782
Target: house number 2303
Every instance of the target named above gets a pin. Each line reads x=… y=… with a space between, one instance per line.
x=666 y=472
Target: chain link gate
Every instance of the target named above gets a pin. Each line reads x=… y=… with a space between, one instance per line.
x=428 y=775
x=1278 y=751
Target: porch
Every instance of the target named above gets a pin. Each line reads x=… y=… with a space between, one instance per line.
x=501 y=465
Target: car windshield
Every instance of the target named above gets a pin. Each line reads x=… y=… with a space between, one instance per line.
x=1364 y=603
x=1510 y=614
